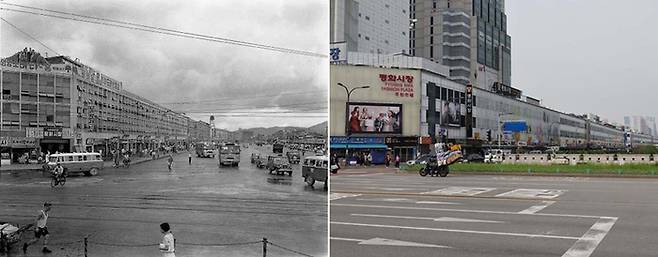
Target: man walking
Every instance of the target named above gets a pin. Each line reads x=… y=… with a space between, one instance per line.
x=397 y=161
x=170 y=163
x=41 y=229
x=189 y=158
x=167 y=244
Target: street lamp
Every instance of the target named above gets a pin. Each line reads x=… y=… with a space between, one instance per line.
x=500 y=124
x=347 y=131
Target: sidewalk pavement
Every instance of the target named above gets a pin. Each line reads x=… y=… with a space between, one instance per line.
x=106 y=164
x=367 y=169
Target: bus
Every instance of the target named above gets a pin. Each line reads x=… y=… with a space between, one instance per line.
x=85 y=163
x=229 y=154
x=204 y=150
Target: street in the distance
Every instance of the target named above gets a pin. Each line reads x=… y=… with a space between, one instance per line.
x=209 y=207
x=378 y=212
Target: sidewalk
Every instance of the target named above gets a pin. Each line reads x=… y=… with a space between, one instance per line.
x=366 y=170
x=106 y=164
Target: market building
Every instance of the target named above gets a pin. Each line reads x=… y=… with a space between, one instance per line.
x=383 y=118
x=58 y=104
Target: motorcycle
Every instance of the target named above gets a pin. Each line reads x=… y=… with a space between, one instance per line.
x=439 y=167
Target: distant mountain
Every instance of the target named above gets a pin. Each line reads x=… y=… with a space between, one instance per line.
x=319 y=128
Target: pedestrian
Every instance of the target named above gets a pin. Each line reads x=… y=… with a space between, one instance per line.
x=369 y=159
x=41 y=230
x=189 y=158
x=170 y=162
x=387 y=160
x=167 y=244
x=397 y=161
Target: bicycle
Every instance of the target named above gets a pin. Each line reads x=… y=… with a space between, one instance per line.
x=57 y=180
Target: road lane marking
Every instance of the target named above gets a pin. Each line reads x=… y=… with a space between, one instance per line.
x=537 y=208
x=336 y=196
x=463 y=191
x=458 y=231
x=440 y=219
x=463 y=210
x=385 y=200
x=388 y=242
x=586 y=244
x=433 y=202
x=537 y=193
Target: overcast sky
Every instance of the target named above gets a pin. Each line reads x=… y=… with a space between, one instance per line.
x=587 y=56
x=168 y=69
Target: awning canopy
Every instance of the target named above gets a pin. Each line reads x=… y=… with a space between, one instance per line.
x=360 y=146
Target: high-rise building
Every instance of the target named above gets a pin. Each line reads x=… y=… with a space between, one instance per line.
x=642 y=124
x=370 y=26
x=468 y=36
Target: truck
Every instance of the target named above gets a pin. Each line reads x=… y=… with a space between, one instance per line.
x=277 y=148
x=229 y=154
x=204 y=150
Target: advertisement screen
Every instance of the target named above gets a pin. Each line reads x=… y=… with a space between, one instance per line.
x=450 y=113
x=374 y=118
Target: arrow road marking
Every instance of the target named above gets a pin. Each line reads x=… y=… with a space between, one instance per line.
x=441 y=219
x=537 y=208
x=336 y=196
x=463 y=191
x=533 y=193
x=389 y=242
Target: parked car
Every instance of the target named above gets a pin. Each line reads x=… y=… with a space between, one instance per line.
x=293 y=156
x=474 y=157
x=420 y=160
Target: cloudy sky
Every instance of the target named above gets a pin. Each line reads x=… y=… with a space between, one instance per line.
x=587 y=56
x=197 y=77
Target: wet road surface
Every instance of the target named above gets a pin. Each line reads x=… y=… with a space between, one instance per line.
x=209 y=208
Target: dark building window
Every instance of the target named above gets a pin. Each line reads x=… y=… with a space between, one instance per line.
x=431 y=20
x=431 y=52
x=431 y=40
x=444 y=94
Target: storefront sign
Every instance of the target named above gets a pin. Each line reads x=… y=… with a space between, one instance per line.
x=400 y=85
x=401 y=141
x=18 y=142
x=357 y=140
x=425 y=140
x=469 y=111
x=52 y=132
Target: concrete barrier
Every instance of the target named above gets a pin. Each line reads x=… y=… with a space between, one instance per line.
x=580 y=158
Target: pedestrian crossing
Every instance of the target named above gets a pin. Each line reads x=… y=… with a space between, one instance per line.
x=495 y=192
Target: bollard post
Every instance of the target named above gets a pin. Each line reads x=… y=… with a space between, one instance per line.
x=264 y=247
x=86 y=246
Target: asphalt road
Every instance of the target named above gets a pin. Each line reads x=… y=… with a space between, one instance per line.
x=207 y=206
x=376 y=212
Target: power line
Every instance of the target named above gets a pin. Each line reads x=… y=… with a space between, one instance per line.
x=160 y=30
x=30 y=36
x=242 y=98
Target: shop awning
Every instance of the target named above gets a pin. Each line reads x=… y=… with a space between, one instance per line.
x=360 y=146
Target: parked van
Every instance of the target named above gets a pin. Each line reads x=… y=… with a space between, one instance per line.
x=314 y=169
x=75 y=163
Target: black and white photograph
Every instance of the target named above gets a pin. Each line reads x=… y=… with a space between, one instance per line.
x=164 y=128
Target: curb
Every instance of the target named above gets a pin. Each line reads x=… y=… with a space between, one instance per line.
x=539 y=174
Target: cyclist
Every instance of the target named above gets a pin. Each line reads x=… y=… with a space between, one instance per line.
x=58 y=171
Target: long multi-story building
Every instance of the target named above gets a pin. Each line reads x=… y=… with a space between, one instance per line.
x=425 y=106
x=61 y=105
x=468 y=36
